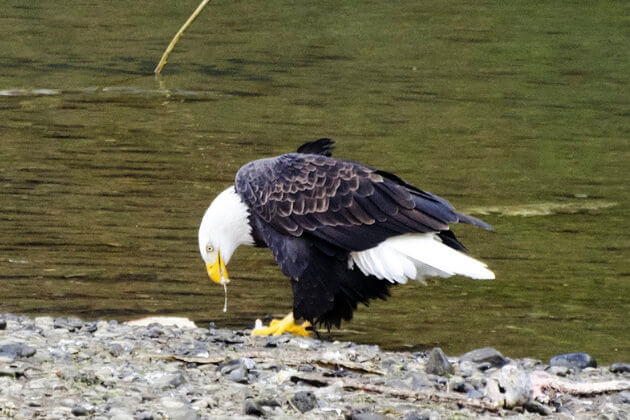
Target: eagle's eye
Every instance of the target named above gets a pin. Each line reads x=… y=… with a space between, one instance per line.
x=209 y=249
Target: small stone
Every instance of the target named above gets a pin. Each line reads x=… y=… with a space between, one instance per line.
x=177 y=410
x=559 y=370
x=143 y=415
x=16 y=350
x=473 y=393
x=252 y=408
x=536 y=407
x=115 y=349
x=466 y=368
x=620 y=368
x=573 y=360
x=117 y=413
x=485 y=355
x=239 y=375
x=509 y=387
x=306 y=368
x=248 y=363
x=621 y=398
x=3 y=324
x=363 y=415
x=419 y=382
x=423 y=415
x=81 y=410
x=304 y=401
x=438 y=364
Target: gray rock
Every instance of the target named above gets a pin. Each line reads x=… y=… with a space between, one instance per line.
x=466 y=368
x=621 y=398
x=509 y=387
x=170 y=380
x=143 y=415
x=437 y=363
x=363 y=415
x=423 y=415
x=115 y=349
x=536 y=407
x=419 y=381
x=252 y=408
x=239 y=375
x=475 y=394
x=485 y=355
x=119 y=413
x=620 y=368
x=82 y=409
x=304 y=401
x=559 y=370
x=573 y=360
x=16 y=350
x=178 y=410
x=248 y=363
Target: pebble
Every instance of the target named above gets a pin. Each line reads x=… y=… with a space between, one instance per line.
x=304 y=401
x=559 y=370
x=16 y=350
x=509 y=387
x=253 y=408
x=438 y=364
x=486 y=355
x=573 y=360
x=621 y=398
x=620 y=368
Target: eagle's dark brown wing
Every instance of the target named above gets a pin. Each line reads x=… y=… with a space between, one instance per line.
x=345 y=204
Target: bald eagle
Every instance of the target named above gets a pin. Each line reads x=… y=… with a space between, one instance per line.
x=343 y=232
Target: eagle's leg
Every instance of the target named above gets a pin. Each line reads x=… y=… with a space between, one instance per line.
x=280 y=326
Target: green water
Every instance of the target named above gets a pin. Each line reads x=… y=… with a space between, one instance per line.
x=520 y=110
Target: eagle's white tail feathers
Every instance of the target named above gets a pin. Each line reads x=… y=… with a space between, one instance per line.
x=414 y=256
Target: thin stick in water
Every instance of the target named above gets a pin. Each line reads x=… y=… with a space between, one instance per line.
x=178 y=35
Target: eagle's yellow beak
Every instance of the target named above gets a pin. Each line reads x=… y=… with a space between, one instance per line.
x=217 y=271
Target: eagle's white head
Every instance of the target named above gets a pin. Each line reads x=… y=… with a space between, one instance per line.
x=224 y=227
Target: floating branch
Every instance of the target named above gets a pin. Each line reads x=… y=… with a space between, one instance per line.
x=178 y=35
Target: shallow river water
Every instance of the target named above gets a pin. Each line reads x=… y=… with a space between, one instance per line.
x=518 y=113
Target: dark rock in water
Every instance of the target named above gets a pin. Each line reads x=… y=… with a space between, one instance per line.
x=621 y=398
x=485 y=355
x=620 y=368
x=304 y=401
x=573 y=360
x=3 y=324
x=437 y=363
x=252 y=408
x=15 y=350
x=91 y=327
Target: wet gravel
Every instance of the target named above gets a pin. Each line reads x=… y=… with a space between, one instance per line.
x=58 y=368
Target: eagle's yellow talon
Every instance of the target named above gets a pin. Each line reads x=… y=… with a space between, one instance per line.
x=280 y=326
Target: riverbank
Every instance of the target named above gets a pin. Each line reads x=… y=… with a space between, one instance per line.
x=58 y=368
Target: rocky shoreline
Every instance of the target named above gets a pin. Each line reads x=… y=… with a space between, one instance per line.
x=58 y=368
